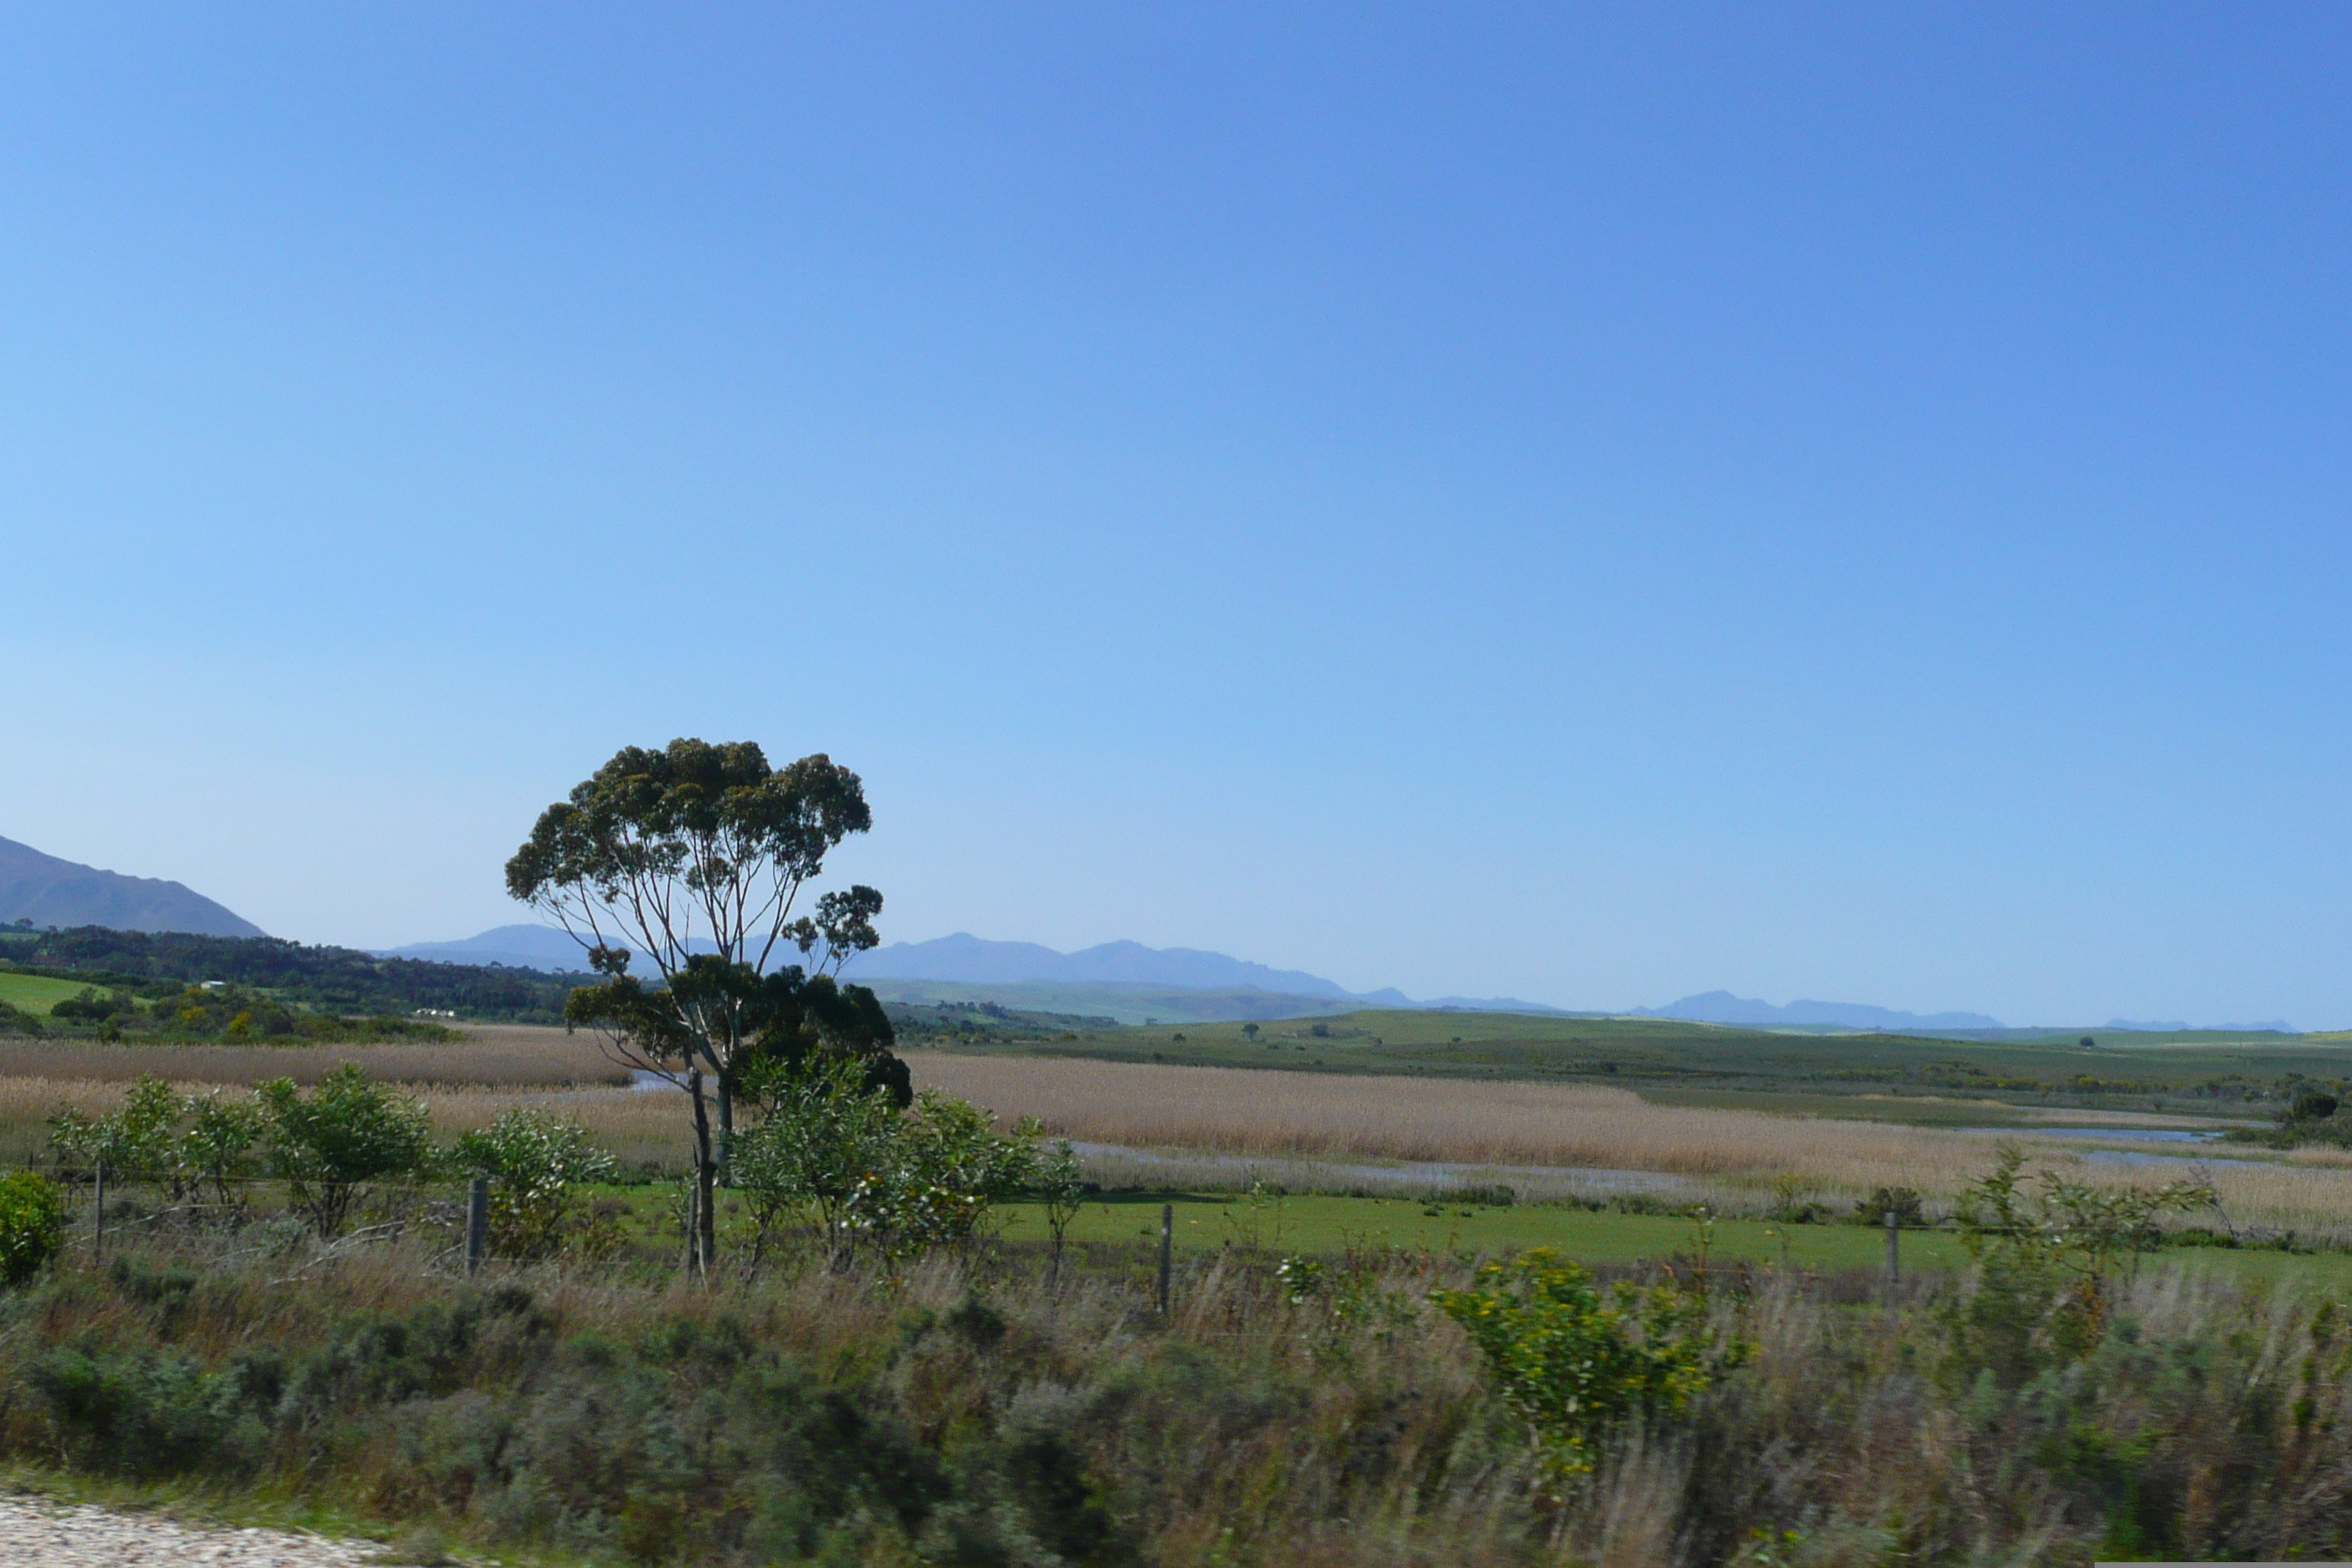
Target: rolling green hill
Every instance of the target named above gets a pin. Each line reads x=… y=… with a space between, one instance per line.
x=34 y=992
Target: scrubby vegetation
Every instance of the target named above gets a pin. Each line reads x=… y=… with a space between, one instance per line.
x=875 y=1378
x=160 y=1012
x=315 y=980
x=961 y=1410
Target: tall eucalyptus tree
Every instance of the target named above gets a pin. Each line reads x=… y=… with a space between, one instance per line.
x=694 y=857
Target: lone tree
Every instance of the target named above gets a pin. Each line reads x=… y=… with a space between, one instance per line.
x=693 y=858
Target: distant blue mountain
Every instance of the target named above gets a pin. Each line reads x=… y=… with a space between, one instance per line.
x=1475 y=1004
x=974 y=961
x=48 y=891
x=2142 y=1025
x=1723 y=1007
x=967 y=960
x=517 y=947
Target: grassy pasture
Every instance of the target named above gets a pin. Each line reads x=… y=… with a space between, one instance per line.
x=36 y=993
x=1326 y=1224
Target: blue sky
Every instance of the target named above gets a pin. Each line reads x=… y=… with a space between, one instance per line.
x=1586 y=504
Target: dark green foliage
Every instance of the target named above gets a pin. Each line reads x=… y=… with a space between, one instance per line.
x=32 y=1225
x=142 y=1412
x=535 y=1163
x=1488 y=1194
x=2311 y=1105
x=328 y=1144
x=326 y=979
x=1902 y=1204
x=89 y=1007
x=701 y=844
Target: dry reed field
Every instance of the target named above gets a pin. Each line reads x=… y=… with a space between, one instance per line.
x=1245 y=1112
x=511 y=1053
x=1734 y=1153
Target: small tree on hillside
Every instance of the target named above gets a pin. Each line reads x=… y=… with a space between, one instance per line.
x=661 y=852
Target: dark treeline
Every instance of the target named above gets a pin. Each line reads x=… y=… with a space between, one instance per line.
x=330 y=979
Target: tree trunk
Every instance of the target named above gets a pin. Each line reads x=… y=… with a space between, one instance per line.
x=703 y=1252
x=726 y=1124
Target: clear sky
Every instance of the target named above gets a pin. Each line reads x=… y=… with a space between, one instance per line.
x=1588 y=504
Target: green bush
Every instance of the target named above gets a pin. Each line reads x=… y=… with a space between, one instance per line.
x=326 y=1146
x=1574 y=1363
x=2048 y=1250
x=533 y=1160
x=897 y=1182
x=32 y=1225
x=142 y=1140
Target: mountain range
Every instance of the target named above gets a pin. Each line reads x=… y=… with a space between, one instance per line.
x=1723 y=1007
x=1113 y=978
x=515 y=946
x=48 y=891
x=45 y=890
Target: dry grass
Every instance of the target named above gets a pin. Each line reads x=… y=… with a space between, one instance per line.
x=1231 y=1110
x=514 y=1055
x=1248 y=1111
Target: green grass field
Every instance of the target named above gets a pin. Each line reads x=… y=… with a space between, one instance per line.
x=36 y=993
x=1682 y=1063
x=1332 y=1224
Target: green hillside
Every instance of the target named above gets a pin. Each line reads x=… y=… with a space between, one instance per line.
x=34 y=992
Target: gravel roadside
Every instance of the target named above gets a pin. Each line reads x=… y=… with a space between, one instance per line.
x=35 y=1533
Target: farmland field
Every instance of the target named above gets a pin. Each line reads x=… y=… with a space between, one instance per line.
x=36 y=993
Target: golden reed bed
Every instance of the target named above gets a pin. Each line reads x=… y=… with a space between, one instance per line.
x=1228 y=1110
x=1256 y=1111
x=490 y=1055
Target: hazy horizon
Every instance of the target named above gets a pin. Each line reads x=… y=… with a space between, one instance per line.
x=1583 y=507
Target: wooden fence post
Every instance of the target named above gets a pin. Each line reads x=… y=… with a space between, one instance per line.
x=98 y=1242
x=1167 y=1250
x=1894 y=1252
x=478 y=1223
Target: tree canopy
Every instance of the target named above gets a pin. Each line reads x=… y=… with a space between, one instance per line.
x=695 y=857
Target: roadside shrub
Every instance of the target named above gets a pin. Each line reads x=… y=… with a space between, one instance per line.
x=134 y=1141
x=32 y=1225
x=947 y=1166
x=824 y=1132
x=2047 y=1251
x=1574 y=1363
x=533 y=1160
x=901 y=1184
x=142 y=1140
x=136 y=1413
x=326 y=1146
